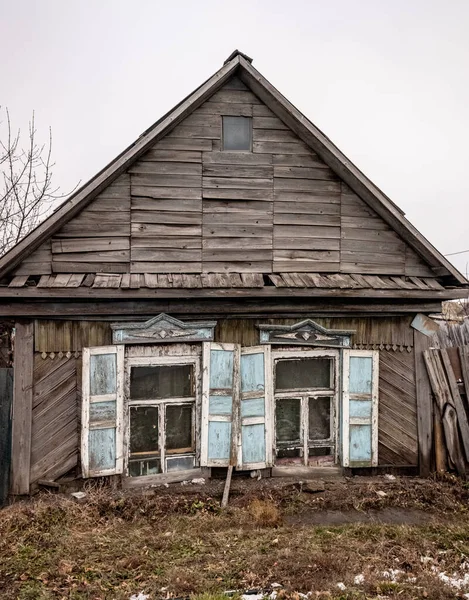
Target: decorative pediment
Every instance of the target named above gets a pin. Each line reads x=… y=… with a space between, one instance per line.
x=162 y=329
x=305 y=333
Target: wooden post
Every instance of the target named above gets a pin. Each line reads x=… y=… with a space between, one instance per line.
x=424 y=404
x=440 y=449
x=22 y=407
x=226 y=491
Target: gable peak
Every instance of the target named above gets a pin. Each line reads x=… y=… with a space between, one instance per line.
x=236 y=53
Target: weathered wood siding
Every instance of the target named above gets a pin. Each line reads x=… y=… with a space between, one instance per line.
x=55 y=428
x=70 y=336
x=188 y=207
x=392 y=332
x=397 y=418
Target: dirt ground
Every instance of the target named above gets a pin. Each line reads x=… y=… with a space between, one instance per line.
x=357 y=538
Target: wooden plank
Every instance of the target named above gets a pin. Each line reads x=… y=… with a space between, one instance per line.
x=194 y=131
x=238 y=194
x=236 y=158
x=268 y=123
x=162 y=204
x=424 y=404
x=184 y=144
x=86 y=245
x=263 y=220
x=163 y=254
x=274 y=135
x=238 y=109
x=183 y=156
x=167 y=168
x=307 y=208
x=227 y=170
x=236 y=230
x=22 y=407
x=305 y=219
x=6 y=396
x=241 y=243
x=155 y=216
x=280 y=148
x=226 y=489
x=112 y=256
x=306 y=244
x=306 y=185
x=237 y=183
x=457 y=401
x=89 y=267
x=153 y=230
x=300 y=160
x=174 y=242
x=165 y=181
x=75 y=280
x=464 y=359
x=166 y=267
x=185 y=193
x=250 y=266
x=18 y=281
x=235 y=97
x=307 y=231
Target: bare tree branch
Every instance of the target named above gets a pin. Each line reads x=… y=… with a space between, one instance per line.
x=26 y=190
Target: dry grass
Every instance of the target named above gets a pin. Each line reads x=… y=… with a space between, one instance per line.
x=115 y=545
x=265 y=513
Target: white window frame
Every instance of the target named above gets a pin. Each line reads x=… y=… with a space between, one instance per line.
x=304 y=395
x=155 y=361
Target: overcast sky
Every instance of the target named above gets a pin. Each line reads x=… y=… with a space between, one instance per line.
x=386 y=80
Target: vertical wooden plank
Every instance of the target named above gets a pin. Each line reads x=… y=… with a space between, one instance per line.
x=6 y=397
x=424 y=404
x=460 y=410
x=22 y=407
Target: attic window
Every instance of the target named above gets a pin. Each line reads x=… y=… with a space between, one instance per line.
x=237 y=133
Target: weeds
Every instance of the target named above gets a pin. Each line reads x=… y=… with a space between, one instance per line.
x=115 y=544
x=265 y=513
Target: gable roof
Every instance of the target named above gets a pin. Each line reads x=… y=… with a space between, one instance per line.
x=240 y=64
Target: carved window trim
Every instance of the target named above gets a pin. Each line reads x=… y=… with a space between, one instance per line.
x=163 y=329
x=305 y=333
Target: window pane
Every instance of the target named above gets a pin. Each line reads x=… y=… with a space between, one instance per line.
x=180 y=463
x=138 y=468
x=103 y=374
x=319 y=418
x=236 y=133
x=143 y=429
x=179 y=428
x=162 y=381
x=303 y=373
x=287 y=419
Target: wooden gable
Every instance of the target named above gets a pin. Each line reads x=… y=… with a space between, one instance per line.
x=186 y=206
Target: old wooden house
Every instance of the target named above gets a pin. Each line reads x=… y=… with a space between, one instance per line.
x=230 y=290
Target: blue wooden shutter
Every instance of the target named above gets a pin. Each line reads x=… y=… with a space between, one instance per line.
x=360 y=408
x=219 y=404
x=102 y=411
x=255 y=408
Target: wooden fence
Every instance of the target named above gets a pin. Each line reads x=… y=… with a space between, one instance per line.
x=6 y=397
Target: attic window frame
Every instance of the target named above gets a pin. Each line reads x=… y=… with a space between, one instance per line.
x=223 y=117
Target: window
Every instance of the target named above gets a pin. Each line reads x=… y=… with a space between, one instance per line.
x=305 y=393
x=161 y=425
x=237 y=133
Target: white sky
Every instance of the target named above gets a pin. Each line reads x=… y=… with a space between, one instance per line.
x=386 y=80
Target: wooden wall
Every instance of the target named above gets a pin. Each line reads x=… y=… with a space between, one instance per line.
x=57 y=381
x=55 y=427
x=188 y=207
x=397 y=419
